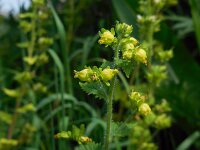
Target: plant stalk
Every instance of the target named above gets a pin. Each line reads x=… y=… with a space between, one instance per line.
x=109 y=116
x=12 y=125
x=110 y=102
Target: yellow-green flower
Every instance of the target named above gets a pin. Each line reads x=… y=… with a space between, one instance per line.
x=144 y=109
x=107 y=74
x=140 y=55
x=84 y=75
x=133 y=40
x=163 y=121
x=137 y=98
x=123 y=29
x=128 y=54
x=106 y=37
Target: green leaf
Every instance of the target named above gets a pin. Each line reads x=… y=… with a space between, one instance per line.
x=183 y=25
x=121 y=129
x=189 y=141
x=62 y=74
x=90 y=146
x=46 y=101
x=87 y=46
x=63 y=135
x=56 y=111
x=195 y=11
x=106 y=64
x=95 y=88
x=61 y=31
x=127 y=66
x=93 y=124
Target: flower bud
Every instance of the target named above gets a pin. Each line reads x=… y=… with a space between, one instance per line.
x=24 y=76
x=30 y=60
x=137 y=98
x=163 y=121
x=26 y=26
x=127 y=46
x=128 y=43
x=140 y=55
x=156 y=74
x=165 y=55
x=133 y=40
x=107 y=37
x=45 y=41
x=43 y=58
x=123 y=29
x=85 y=139
x=83 y=75
x=127 y=55
x=107 y=74
x=39 y=88
x=144 y=109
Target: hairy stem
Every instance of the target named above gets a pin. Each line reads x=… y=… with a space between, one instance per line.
x=109 y=103
x=109 y=116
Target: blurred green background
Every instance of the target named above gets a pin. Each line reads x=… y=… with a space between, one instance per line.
x=74 y=24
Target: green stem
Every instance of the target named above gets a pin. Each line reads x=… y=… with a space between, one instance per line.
x=109 y=116
x=14 y=119
x=150 y=45
x=33 y=34
x=110 y=102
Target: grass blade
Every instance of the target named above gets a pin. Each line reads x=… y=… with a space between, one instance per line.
x=125 y=13
x=195 y=11
x=65 y=54
x=61 y=72
x=189 y=141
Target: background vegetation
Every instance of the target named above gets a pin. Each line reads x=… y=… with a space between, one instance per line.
x=38 y=52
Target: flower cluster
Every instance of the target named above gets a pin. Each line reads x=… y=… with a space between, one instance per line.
x=131 y=50
x=129 y=46
x=156 y=74
x=138 y=100
x=107 y=37
x=96 y=74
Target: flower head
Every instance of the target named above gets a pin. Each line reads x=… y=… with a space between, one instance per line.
x=123 y=29
x=140 y=55
x=137 y=98
x=107 y=74
x=144 y=109
x=127 y=55
x=84 y=75
x=106 y=37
